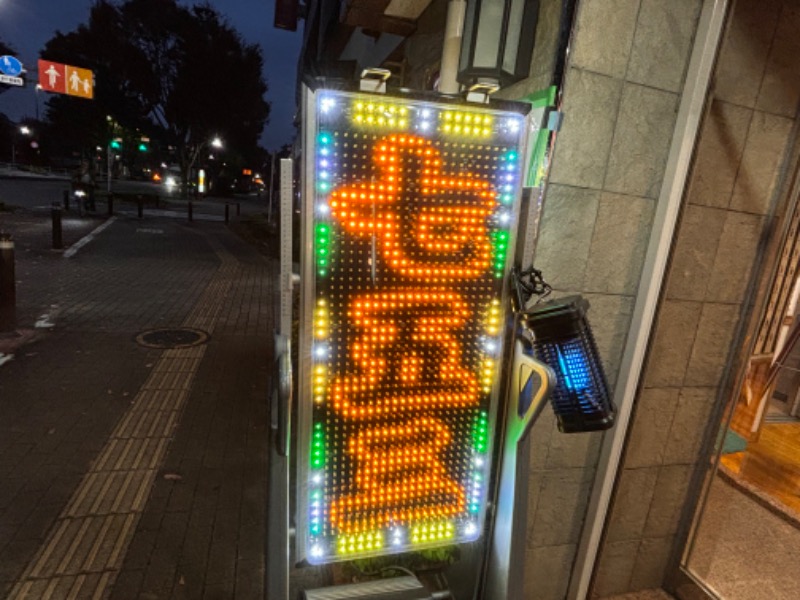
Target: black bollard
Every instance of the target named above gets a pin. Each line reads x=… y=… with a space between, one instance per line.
x=66 y=200
x=56 y=215
x=110 y=204
x=238 y=209
x=190 y=211
x=227 y=212
x=140 y=206
x=8 y=293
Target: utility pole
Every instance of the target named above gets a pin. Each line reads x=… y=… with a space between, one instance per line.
x=271 y=187
x=37 y=88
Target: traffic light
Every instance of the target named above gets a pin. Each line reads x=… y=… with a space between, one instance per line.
x=142 y=147
x=116 y=144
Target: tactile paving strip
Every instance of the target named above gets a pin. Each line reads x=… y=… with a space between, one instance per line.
x=85 y=548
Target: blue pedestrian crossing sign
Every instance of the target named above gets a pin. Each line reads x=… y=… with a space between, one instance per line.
x=10 y=65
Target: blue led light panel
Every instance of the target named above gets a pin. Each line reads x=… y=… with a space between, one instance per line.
x=413 y=214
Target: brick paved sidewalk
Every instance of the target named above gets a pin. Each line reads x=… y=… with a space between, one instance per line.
x=132 y=472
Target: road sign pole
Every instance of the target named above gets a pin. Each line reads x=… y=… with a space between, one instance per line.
x=55 y=214
x=8 y=294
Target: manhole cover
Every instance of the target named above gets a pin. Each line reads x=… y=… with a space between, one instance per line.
x=184 y=337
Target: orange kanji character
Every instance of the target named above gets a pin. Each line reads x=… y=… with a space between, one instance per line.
x=430 y=225
x=408 y=356
x=399 y=477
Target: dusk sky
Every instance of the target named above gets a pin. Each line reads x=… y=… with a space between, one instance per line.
x=27 y=25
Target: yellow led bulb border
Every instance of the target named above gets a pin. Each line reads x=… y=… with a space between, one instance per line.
x=383 y=115
x=459 y=123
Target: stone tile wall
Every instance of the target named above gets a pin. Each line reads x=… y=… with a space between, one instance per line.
x=736 y=171
x=621 y=94
x=626 y=71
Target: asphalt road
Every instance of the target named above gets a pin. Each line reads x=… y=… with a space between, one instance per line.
x=40 y=193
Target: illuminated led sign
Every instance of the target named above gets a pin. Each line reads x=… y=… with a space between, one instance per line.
x=412 y=206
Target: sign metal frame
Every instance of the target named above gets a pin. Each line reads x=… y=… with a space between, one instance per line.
x=500 y=143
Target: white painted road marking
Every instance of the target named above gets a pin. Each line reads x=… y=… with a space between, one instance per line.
x=73 y=250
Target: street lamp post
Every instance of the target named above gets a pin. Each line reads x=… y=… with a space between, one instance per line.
x=38 y=87
x=24 y=130
x=215 y=142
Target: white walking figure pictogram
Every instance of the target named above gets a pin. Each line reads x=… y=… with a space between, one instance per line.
x=52 y=74
x=86 y=86
x=74 y=80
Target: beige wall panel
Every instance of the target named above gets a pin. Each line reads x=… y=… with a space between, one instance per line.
x=719 y=153
x=668 y=499
x=619 y=242
x=743 y=56
x=761 y=161
x=547 y=572
x=694 y=254
x=584 y=143
x=641 y=141
x=604 y=34
x=566 y=235
x=712 y=345
x=672 y=343
x=632 y=503
x=663 y=40
x=650 y=429
x=780 y=88
x=733 y=265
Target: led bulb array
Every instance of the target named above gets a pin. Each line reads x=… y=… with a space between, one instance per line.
x=450 y=220
x=320 y=381
x=433 y=317
x=500 y=251
x=360 y=542
x=321 y=324
x=467 y=124
x=487 y=375
x=325 y=151
x=316 y=511
x=400 y=472
x=480 y=432
x=409 y=256
x=436 y=531
x=380 y=114
x=493 y=318
x=480 y=446
x=318 y=447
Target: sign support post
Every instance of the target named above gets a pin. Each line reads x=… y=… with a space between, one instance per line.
x=528 y=391
x=278 y=520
